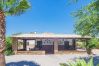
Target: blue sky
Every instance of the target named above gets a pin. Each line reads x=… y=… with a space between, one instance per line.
x=45 y=16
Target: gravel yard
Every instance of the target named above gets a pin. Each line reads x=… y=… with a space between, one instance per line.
x=44 y=60
x=39 y=60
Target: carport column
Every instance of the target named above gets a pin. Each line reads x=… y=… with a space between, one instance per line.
x=24 y=44
x=55 y=46
x=74 y=44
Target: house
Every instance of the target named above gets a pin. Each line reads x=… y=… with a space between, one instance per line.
x=44 y=43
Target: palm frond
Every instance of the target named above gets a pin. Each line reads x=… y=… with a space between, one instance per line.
x=14 y=7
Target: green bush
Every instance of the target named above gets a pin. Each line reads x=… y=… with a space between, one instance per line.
x=96 y=41
x=8 y=50
x=80 y=44
x=90 y=44
x=97 y=46
x=79 y=62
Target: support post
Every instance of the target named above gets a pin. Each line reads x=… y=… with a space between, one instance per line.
x=74 y=44
x=24 y=44
x=55 y=46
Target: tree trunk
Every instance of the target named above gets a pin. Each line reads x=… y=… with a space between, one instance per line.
x=2 y=59
x=89 y=51
x=2 y=38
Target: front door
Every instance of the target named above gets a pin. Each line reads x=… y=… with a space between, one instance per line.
x=39 y=45
x=66 y=45
x=49 y=49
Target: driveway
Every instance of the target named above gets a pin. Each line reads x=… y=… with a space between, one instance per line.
x=39 y=60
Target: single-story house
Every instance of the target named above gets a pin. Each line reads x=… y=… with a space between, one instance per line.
x=44 y=43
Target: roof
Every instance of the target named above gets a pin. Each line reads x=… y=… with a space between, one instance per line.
x=48 y=35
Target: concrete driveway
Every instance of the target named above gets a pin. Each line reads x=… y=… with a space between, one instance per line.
x=39 y=60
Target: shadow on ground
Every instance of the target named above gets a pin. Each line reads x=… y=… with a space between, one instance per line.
x=22 y=63
x=96 y=60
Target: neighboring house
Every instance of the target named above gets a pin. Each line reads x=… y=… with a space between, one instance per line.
x=44 y=43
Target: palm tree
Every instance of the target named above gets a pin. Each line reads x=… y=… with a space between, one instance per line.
x=9 y=7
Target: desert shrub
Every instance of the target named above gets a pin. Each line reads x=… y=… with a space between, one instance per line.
x=8 y=50
x=79 y=62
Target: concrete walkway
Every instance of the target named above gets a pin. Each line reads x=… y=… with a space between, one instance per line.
x=39 y=60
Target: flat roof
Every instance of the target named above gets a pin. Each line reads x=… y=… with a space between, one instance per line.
x=48 y=35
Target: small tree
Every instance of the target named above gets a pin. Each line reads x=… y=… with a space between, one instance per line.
x=87 y=23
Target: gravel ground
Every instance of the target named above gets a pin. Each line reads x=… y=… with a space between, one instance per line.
x=39 y=60
x=45 y=60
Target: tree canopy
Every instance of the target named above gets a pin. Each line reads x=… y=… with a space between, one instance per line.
x=87 y=19
x=14 y=7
